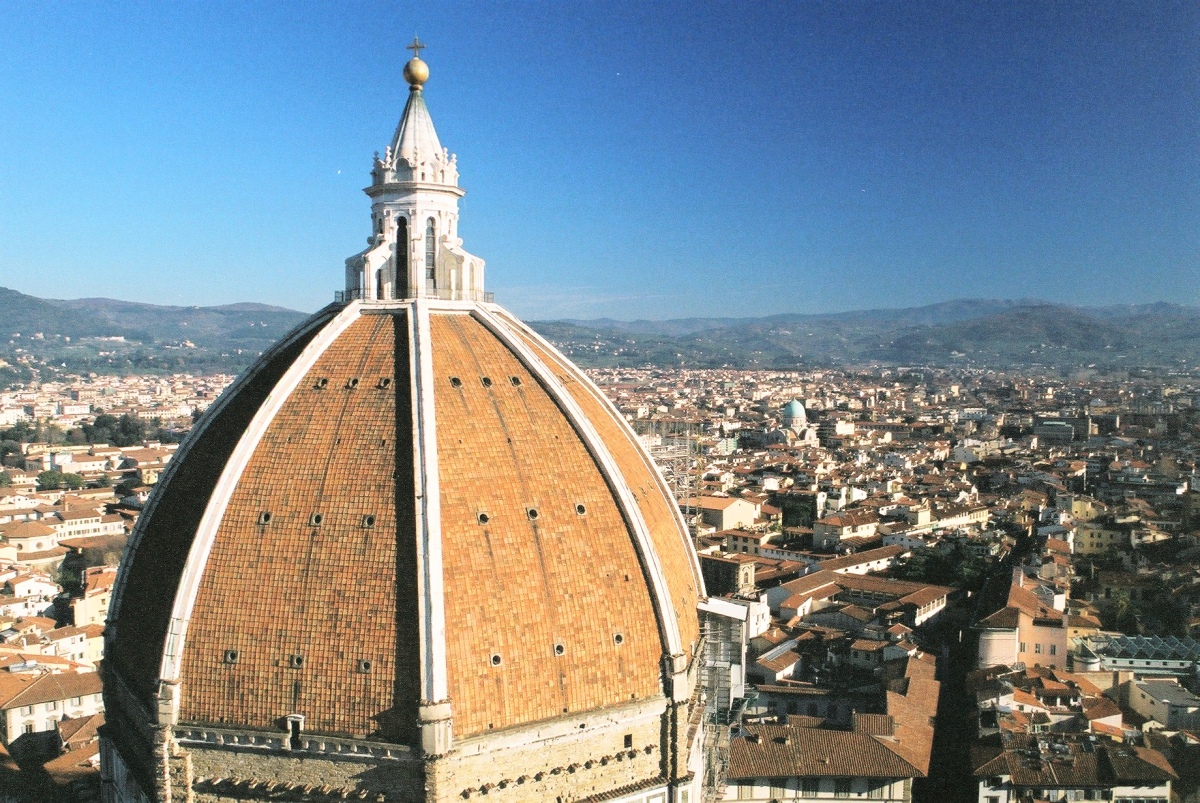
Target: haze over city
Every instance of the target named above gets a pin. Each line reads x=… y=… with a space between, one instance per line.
x=624 y=160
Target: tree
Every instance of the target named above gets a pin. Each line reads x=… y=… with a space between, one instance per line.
x=54 y=480
x=130 y=431
x=50 y=433
x=126 y=486
x=10 y=453
x=49 y=480
x=101 y=430
x=5 y=479
x=1127 y=615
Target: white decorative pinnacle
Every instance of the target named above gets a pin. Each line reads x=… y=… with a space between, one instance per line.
x=414 y=250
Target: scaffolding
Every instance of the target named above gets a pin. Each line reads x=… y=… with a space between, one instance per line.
x=722 y=661
x=672 y=447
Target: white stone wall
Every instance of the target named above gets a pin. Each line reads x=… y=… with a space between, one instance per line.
x=997 y=648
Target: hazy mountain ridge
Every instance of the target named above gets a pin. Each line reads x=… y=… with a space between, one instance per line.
x=77 y=336
x=977 y=331
x=109 y=336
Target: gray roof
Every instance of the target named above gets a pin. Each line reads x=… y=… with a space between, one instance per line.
x=1146 y=647
x=1168 y=692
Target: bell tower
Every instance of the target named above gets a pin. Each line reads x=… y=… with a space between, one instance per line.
x=414 y=250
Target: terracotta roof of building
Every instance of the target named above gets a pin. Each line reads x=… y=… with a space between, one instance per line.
x=58 y=686
x=868 y=645
x=44 y=554
x=874 y=724
x=91 y=541
x=78 y=515
x=856 y=612
x=80 y=730
x=1100 y=708
x=859 y=558
x=850 y=518
x=714 y=502
x=780 y=662
x=1067 y=762
x=1085 y=686
x=60 y=633
x=74 y=765
x=1023 y=697
x=787 y=750
x=1058 y=545
x=529 y=522
x=1005 y=618
x=25 y=529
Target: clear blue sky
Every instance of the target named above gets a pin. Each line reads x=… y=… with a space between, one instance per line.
x=634 y=159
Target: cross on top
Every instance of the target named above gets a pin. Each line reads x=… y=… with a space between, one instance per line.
x=416 y=47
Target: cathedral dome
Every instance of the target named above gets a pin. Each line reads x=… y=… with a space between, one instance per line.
x=413 y=529
x=793 y=413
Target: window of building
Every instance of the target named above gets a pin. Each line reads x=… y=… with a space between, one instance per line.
x=810 y=786
x=402 y=248
x=1022 y=648
x=430 y=249
x=1037 y=649
x=1054 y=649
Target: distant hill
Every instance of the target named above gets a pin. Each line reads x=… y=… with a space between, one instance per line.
x=246 y=326
x=971 y=331
x=109 y=336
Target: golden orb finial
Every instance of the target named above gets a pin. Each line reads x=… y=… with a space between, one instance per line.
x=416 y=72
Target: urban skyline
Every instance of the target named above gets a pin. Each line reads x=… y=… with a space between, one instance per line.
x=415 y=552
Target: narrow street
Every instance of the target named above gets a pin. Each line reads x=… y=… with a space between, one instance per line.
x=950 y=779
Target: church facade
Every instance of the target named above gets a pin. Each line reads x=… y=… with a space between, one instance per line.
x=412 y=554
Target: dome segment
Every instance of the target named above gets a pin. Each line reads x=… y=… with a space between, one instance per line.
x=653 y=498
